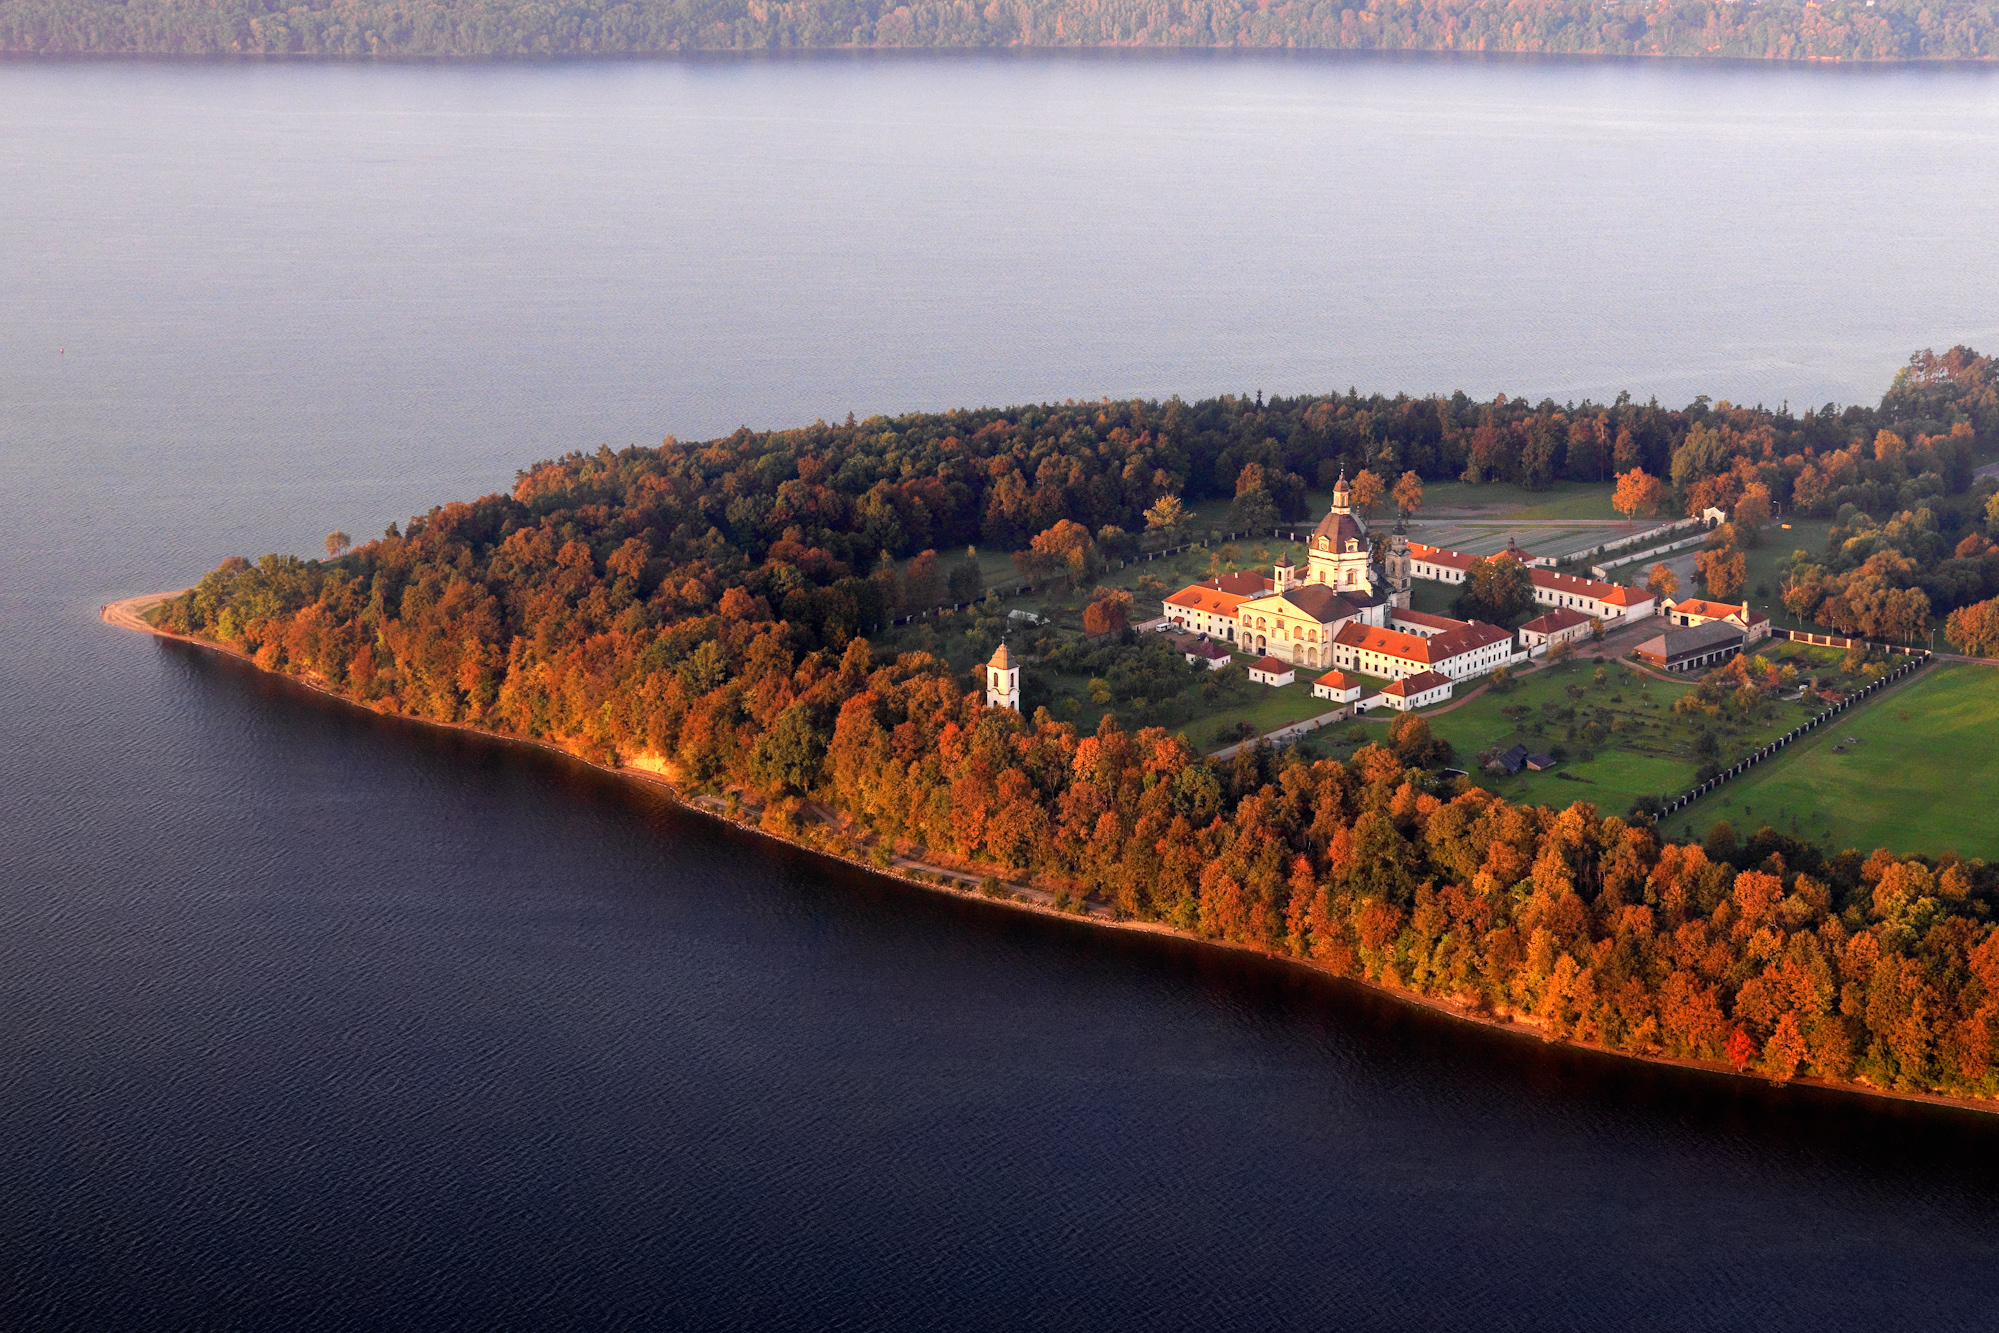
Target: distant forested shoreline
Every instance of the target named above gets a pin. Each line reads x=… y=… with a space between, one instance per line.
x=1843 y=30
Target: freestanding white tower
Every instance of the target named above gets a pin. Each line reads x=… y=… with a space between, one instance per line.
x=1002 y=681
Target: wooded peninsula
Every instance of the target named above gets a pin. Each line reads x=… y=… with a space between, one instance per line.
x=1840 y=30
x=710 y=613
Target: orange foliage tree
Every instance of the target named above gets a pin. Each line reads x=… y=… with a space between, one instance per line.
x=1639 y=492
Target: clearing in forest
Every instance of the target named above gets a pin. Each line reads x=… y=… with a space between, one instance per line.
x=1913 y=771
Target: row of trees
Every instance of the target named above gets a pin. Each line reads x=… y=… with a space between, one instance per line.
x=813 y=507
x=1787 y=30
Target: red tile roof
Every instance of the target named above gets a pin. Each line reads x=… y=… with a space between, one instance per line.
x=1468 y=637
x=1416 y=684
x=1561 y=618
x=1222 y=595
x=1270 y=666
x=1388 y=642
x=1696 y=606
x=1425 y=618
x=1437 y=555
x=1614 y=594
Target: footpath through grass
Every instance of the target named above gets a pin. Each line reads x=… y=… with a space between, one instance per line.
x=1918 y=776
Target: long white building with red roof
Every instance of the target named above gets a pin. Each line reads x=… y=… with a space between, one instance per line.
x=1609 y=602
x=1209 y=607
x=1472 y=649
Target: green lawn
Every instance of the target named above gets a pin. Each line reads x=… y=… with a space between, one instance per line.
x=1497 y=501
x=1267 y=709
x=1806 y=534
x=1565 y=499
x=1919 y=780
x=1433 y=597
x=1648 y=753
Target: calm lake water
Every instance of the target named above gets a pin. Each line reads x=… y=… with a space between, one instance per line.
x=311 y=1019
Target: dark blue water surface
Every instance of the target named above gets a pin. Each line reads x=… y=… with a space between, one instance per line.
x=313 y=1019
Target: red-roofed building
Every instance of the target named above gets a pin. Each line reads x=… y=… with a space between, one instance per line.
x=1438 y=565
x=1472 y=649
x=1692 y=611
x=1270 y=671
x=1608 y=602
x=1209 y=607
x=1559 y=626
x=1201 y=651
x=1337 y=686
x=1421 y=623
x=1418 y=691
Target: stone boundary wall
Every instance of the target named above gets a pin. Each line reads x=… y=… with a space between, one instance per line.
x=1836 y=641
x=1602 y=571
x=1650 y=534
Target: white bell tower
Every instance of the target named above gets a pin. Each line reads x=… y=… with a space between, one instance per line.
x=1002 y=681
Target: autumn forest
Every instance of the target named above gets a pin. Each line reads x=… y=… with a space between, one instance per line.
x=705 y=611
x=1843 y=30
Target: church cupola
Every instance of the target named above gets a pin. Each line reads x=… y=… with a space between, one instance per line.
x=1340 y=552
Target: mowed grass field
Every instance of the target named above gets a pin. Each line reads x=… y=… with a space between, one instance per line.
x=1648 y=759
x=1922 y=777
x=1501 y=500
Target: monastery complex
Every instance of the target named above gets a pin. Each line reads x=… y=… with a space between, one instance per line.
x=1347 y=615
x=1345 y=620
x=1344 y=613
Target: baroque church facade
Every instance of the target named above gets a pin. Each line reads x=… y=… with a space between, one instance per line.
x=1298 y=618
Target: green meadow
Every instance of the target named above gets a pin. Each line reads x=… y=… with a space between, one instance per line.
x=1648 y=750
x=1913 y=771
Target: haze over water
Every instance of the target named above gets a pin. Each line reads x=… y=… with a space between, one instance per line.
x=314 y=1019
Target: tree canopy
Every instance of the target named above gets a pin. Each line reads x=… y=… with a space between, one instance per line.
x=706 y=610
x=1857 y=30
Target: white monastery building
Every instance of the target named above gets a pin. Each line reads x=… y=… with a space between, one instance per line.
x=1609 y=602
x=1417 y=691
x=1692 y=611
x=1560 y=626
x=1209 y=607
x=1472 y=649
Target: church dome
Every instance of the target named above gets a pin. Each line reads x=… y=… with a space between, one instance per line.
x=1337 y=529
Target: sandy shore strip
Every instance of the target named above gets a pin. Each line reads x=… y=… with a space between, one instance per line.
x=127 y=614
x=964 y=882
